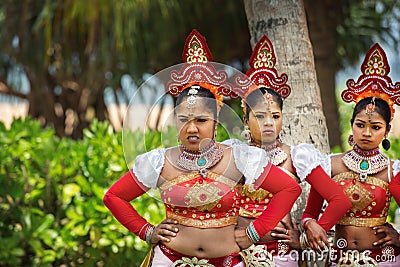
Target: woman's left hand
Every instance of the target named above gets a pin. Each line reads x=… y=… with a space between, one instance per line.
x=242 y=239
x=289 y=235
x=391 y=235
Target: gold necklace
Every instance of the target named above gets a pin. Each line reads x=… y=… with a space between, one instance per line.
x=200 y=160
x=275 y=153
x=365 y=162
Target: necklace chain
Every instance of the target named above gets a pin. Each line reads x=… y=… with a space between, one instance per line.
x=200 y=160
x=365 y=162
x=275 y=153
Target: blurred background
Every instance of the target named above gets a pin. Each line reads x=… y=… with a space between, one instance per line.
x=68 y=70
x=68 y=62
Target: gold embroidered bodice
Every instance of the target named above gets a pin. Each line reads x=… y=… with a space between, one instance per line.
x=370 y=199
x=253 y=202
x=201 y=202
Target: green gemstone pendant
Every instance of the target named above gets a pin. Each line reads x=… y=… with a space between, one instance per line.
x=364 y=165
x=201 y=162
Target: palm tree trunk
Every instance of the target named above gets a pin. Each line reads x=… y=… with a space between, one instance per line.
x=322 y=28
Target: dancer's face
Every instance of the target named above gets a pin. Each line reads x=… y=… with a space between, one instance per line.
x=264 y=123
x=368 y=130
x=196 y=126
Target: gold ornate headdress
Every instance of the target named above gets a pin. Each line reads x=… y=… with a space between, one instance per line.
x=374 y=81
x=199 y=70
x=262 y=72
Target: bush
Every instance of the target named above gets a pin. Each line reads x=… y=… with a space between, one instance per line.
x=51 y=190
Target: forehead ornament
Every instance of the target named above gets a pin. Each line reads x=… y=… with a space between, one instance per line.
x=268 y=101
x=370 y=108
x=192 y=98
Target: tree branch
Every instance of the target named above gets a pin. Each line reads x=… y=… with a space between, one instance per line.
x=5 y=89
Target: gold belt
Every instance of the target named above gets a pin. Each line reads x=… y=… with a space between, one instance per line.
x=363 y=222
x=202 y=222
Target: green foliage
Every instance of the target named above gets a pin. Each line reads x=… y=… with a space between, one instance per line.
x=51 y=190
x=393 y=153
x=366 y=22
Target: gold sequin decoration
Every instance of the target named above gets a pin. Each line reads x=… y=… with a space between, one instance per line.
x=203 y=196
x=370 y=179
x=260 y=194
x=358 y=195
x=167 y=185
x=362 y=222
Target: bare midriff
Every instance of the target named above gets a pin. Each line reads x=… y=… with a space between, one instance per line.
x=356 y=237
x=204 y=243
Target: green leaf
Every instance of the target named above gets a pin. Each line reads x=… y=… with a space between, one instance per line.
x=17 y=252
x=46 y=222
x=98 y=191
x=36 y=246
x=69 y=191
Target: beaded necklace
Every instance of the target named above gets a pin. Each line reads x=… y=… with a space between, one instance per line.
x=200 y=160
x=365 y=162
x=275 y=153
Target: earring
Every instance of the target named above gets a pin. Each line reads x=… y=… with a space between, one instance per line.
x=246 y=135
x=350 y=140
x=386 y=144
x=280 y=137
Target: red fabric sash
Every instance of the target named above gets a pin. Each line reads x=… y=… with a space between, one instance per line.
x=227 y=261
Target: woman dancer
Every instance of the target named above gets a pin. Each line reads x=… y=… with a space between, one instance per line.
x=263 y=124
x=197 y=180
x=362 y=237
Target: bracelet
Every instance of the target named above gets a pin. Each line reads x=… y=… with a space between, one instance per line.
x=149 y=233
x=303 y=241
x=142 y=236
x=252 y=233
x=306 y=221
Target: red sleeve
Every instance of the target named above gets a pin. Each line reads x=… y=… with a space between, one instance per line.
x=313 y=206
x=285 y=192
x=117 y=200
x=394 y=188
x=338 y=202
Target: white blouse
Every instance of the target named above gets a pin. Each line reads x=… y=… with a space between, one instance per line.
x=249 y=160
x=306 y=157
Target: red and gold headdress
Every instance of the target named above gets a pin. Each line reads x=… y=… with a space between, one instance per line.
x=198 y=69
x=374 y=80
x=262 y=72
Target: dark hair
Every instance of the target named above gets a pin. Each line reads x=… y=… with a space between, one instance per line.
x=254 y=98
x=381 y=106
x=203 y=93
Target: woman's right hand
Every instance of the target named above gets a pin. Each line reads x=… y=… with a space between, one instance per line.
x=242 y=239
x=164 y=231
x=316 y=236
x=288 y=234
